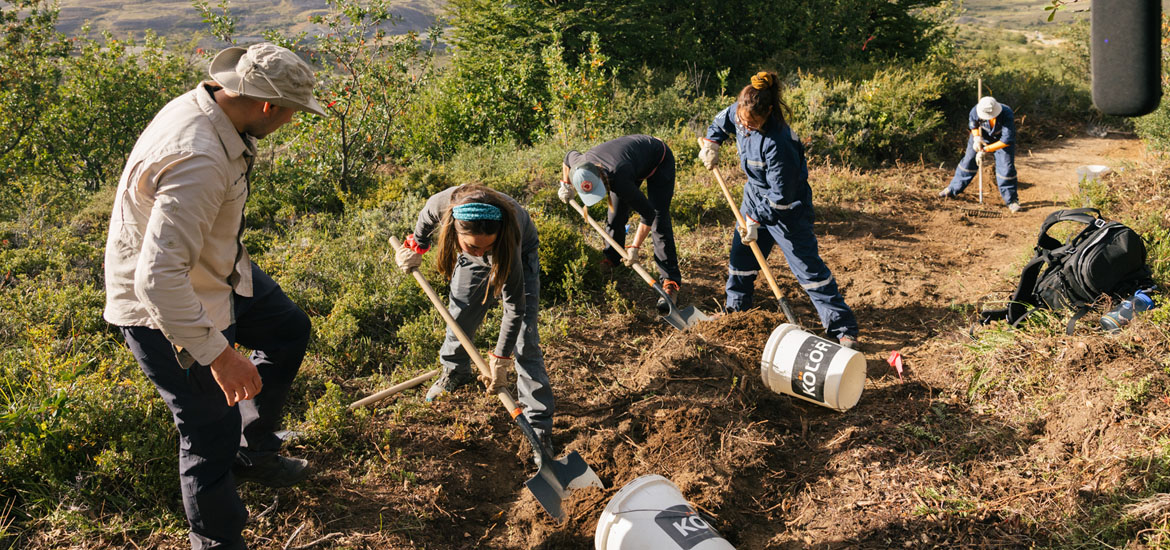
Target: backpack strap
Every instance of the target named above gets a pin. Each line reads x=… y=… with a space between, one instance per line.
x=1089 y=217
x=1072 y=323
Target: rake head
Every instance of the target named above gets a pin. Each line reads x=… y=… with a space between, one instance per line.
x=980 y=213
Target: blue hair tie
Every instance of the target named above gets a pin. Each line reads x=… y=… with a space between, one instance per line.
x=473 y=211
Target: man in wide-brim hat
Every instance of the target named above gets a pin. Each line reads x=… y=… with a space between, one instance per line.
x=183 y=291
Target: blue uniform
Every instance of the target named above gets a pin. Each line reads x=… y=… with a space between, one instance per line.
x=1001 y=128
x=777 y=195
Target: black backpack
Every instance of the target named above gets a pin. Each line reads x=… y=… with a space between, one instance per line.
x=1105 y=258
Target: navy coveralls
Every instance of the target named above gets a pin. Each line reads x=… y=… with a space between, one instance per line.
x=777 y=195
x=1001 y=128
x=627 y=161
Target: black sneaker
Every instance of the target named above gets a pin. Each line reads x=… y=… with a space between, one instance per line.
x=279 y=471
x=448 y=381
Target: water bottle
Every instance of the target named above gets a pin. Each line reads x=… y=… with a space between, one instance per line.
x=1124 y=312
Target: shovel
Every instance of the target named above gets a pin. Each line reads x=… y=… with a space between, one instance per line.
x=681 y=319
x=554 y=477
x=757 y=252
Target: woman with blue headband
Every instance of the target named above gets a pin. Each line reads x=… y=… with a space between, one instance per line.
x=487 y=246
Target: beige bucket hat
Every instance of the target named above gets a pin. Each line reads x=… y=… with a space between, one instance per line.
x=267 y=72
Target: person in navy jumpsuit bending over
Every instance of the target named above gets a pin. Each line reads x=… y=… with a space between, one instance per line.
x=993 y=130
x=777 y=203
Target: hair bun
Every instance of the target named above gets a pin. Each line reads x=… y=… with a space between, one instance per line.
x=762 y=80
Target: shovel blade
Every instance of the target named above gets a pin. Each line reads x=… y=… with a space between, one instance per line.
x=557 y=477
x=684 y=318
x=681 y=319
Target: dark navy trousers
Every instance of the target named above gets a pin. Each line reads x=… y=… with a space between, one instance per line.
x=212 y=435
x=794 y=234
x=1005 y=172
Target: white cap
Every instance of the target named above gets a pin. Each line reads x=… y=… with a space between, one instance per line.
x=988 y=108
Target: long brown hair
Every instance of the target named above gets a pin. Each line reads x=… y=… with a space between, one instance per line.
x=762 y=98
x=506 y=249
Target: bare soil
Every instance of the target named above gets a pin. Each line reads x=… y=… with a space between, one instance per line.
x=915 y=464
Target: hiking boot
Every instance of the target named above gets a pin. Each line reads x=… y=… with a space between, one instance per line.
x=671 y=289
x=278 y=471
x=1014 y=207
x=847 y=341
x=607 y=265
x=946 y=193
x=449 y=381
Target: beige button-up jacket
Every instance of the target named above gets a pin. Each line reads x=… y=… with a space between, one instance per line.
x=173 y=255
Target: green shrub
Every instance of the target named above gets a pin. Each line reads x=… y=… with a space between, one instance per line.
x=568 y=265
x=868 y=121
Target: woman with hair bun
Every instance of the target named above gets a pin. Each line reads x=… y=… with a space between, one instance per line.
x=777 y=199
x=487 y=248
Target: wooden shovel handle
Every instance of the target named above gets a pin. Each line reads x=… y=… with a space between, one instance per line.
x=619 y=248
x=755 y=247
x=503 y=395
x=374 y=398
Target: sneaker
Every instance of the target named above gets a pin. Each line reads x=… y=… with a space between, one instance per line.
x=448 y=382
x=278 y=471
x=847 y=341
x=1014 y=207
x=945 y=193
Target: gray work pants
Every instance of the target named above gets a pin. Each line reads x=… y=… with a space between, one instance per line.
x=467 y=306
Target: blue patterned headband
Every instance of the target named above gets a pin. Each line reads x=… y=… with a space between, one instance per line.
x=473 y=211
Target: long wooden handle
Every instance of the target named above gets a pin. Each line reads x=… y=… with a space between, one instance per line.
x=754 y=246
x=619 y=248
x=503 y=395
x=374 y=398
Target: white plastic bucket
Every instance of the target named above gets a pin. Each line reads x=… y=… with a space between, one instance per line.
x=650 y=513
x=1091 y=173
x=812 y=368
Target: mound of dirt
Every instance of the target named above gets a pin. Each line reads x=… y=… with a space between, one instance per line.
x=696 y=413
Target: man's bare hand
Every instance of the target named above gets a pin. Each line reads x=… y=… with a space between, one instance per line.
x=236 y=375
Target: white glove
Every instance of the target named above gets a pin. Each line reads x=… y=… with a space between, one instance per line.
x=498 y=367
x=407 y=259
x=749 y=231
x=565 y=192
x=632 y=253
x=979 y=159
x=708 y=153
x=979 y=145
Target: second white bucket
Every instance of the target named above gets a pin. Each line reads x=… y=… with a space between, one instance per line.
x=650 y=513
x=809 y=367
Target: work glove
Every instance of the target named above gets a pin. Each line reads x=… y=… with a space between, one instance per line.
x=708 y=153
x=498 y=367
x=632 y=253
x=407 y=259
x=749 y=230
x=979 y=159
x=565 y=192
x=979 y=145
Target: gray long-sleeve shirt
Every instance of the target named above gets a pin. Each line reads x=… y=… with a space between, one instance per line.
x=512 y=295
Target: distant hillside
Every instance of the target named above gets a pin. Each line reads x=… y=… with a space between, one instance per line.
x=177 y=18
